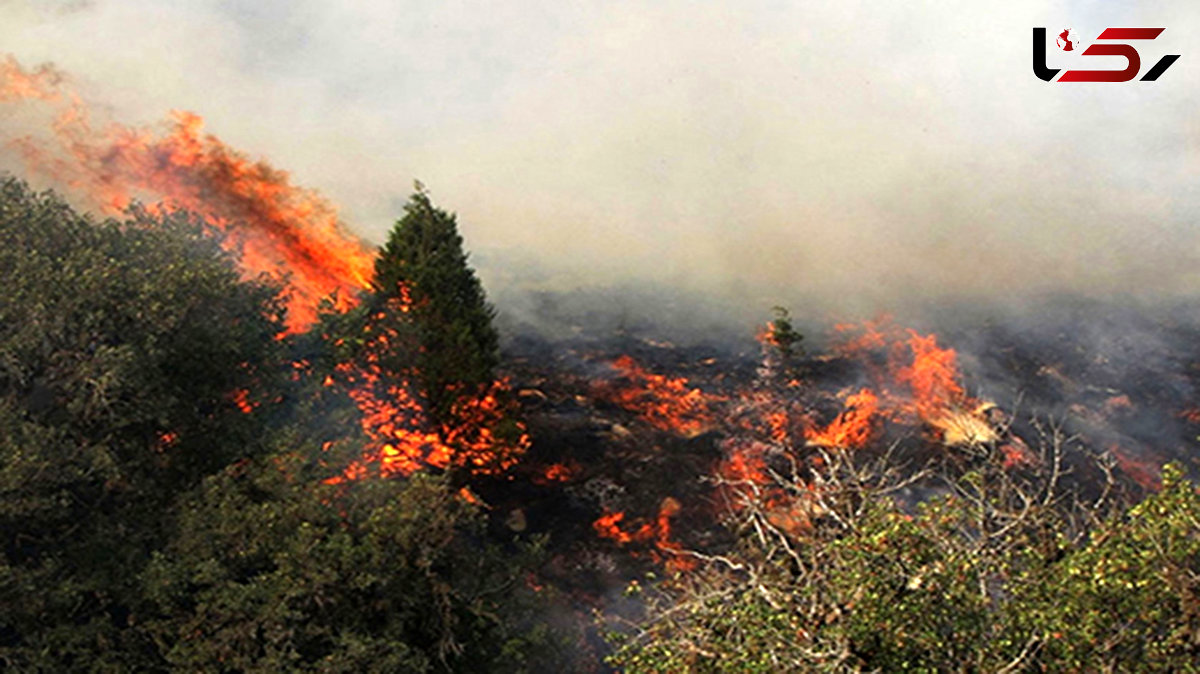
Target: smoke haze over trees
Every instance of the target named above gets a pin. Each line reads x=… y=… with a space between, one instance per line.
x=235 y=435
x=856 y=157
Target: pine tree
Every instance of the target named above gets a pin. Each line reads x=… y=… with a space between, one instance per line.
x=423 y=273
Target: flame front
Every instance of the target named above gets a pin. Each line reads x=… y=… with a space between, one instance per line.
x=667 y=403
x=290 y=233
x=283 y=230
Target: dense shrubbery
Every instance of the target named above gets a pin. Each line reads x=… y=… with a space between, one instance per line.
x=162 y=496
x=1007 y=571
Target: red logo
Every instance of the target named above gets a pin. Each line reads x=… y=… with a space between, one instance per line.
x=1066 y=41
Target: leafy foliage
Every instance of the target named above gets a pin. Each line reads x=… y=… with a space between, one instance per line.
x=123 y=347
x=269 y=574
x=164 y=458
x=1004 y=572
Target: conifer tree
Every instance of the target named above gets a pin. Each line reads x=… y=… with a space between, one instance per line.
x=423 y=273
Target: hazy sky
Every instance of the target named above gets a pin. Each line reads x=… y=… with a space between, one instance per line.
x=767 y=151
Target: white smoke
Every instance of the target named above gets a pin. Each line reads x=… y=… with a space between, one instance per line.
x=846 y=154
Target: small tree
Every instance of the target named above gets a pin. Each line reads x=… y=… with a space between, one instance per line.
x=781 y=347
x=423 y=273
x=784 y=336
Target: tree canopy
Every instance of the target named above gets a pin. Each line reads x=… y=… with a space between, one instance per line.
x=165 y=458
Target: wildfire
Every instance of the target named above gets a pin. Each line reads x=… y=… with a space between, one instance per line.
x=557 y=473
x=747 y=482
x=241 y=398
x=1190 y=414
x=859 y=338
x=854 y=427
x=402 y=439
x=282 y=230
x=915 y=381
x=285 y=231
x=656 y=532
x=920 y=381
x=19 y=84
x=1140 y=466
x=667 y=403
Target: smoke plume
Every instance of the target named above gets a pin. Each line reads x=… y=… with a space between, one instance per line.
x=844 y=158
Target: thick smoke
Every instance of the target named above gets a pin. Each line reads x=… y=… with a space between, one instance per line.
x=846 y=158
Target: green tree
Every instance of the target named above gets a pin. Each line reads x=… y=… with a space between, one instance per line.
x=422 y=272
x=783 y=336
x=273 y=571
x=129 y=354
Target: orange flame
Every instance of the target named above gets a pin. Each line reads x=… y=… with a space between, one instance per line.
x=1144 y=471
x=854 y=427
x=281 y=229
x=658 y=532
x=1190 y=414
x=402 y=439
x=872 y=336
x=18 y=84
x=241 y=398
x=557 y=473
x=667 y=403
x=608 y=526
x=288 y=232
x=932 y=376
x=921 y=380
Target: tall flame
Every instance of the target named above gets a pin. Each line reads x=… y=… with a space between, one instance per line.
x=932 y=376
x=281 y=229
x=288 y=232
x=921 y=380
x=854 y=427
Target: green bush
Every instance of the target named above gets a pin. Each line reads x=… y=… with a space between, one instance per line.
x=1002 y=573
